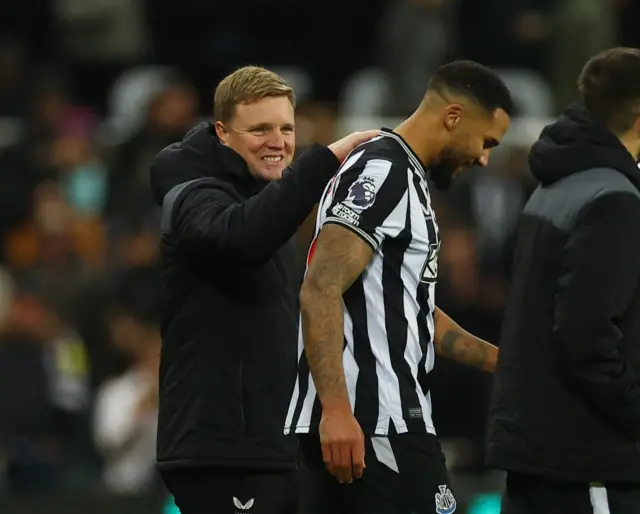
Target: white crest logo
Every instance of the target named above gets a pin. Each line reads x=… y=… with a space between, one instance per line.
x=430 y=270
x=238 y=504
x=445 y=502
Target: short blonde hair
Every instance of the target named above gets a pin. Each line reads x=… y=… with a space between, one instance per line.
x=246 y=85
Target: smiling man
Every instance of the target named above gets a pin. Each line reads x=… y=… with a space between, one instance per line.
x=262 y=132
x=231 y=201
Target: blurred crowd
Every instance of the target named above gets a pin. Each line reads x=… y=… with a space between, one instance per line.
x=90 y=91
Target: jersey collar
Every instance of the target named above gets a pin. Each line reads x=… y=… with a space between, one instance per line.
x=413 y=158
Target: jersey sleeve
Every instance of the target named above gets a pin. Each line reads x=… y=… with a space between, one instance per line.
x=371 y=199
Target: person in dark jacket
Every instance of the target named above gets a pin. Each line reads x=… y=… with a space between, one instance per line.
x=565 y=415
x=231 y=204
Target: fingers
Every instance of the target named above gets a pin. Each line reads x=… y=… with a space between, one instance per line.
x=357 y=455
x=326 y=456
x=345 y=461
x=367 y=134
x=343 y=446
x=361 y=137
x=344 y=474
x=338 y=461
x=345 y=145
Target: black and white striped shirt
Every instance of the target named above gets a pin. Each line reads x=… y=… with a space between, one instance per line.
x=381 y=193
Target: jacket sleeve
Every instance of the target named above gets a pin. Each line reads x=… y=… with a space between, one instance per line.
x=209 y=223
x=599 y=281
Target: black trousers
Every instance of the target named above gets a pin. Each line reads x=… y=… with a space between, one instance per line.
x=526 y=494
x=404 y=474
x=232 y=491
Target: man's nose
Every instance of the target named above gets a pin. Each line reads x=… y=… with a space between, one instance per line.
x=276 y=140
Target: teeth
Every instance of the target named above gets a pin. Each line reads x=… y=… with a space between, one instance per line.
x=272 y=159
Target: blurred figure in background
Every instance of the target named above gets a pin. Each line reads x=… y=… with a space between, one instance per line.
x=44 y=391
x=170 y=113
x=416 y=39
x=572 y=19
x=126 y=409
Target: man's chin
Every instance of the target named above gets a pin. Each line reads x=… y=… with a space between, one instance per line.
x=275 y=174
x=269 y=174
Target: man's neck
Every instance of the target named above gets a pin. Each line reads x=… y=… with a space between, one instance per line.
x=414 y=131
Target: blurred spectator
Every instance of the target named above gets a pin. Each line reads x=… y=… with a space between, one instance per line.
x=137 y=242
x=127 y=405
x=171 y=112
x=101 y=30
x=55 y=241
x=44 y=395
x=416 y=38
x=505 y=33
x=12 y=78
x=572 y=20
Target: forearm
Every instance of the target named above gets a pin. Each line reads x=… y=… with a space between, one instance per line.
x=455 y=343
x=323 y=333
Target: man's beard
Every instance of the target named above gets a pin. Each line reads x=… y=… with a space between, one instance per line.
x=441 y=172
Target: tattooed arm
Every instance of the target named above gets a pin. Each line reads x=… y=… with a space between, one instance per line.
x=455 y=343
x=338 y=259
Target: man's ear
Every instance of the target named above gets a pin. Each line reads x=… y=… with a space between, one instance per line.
x=221 y=132
x=452 y=115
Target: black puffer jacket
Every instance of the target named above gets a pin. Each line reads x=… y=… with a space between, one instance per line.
x=566 y=403
x=230 y=302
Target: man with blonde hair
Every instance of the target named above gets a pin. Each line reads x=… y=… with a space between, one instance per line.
x=231 y=202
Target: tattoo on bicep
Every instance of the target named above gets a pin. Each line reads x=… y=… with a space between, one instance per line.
x=338 y=262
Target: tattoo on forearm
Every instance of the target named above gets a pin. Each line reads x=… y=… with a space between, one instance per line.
x=322 y=320
x=322 y=330
x=455 y=343
x=334 y=267
x=466 y=349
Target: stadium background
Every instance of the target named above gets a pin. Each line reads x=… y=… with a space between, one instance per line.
x=91 y=90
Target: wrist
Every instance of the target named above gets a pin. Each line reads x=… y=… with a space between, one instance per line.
x=336 y=404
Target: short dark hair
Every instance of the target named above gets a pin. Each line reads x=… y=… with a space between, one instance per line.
x=473 y=80
x=610 y=87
